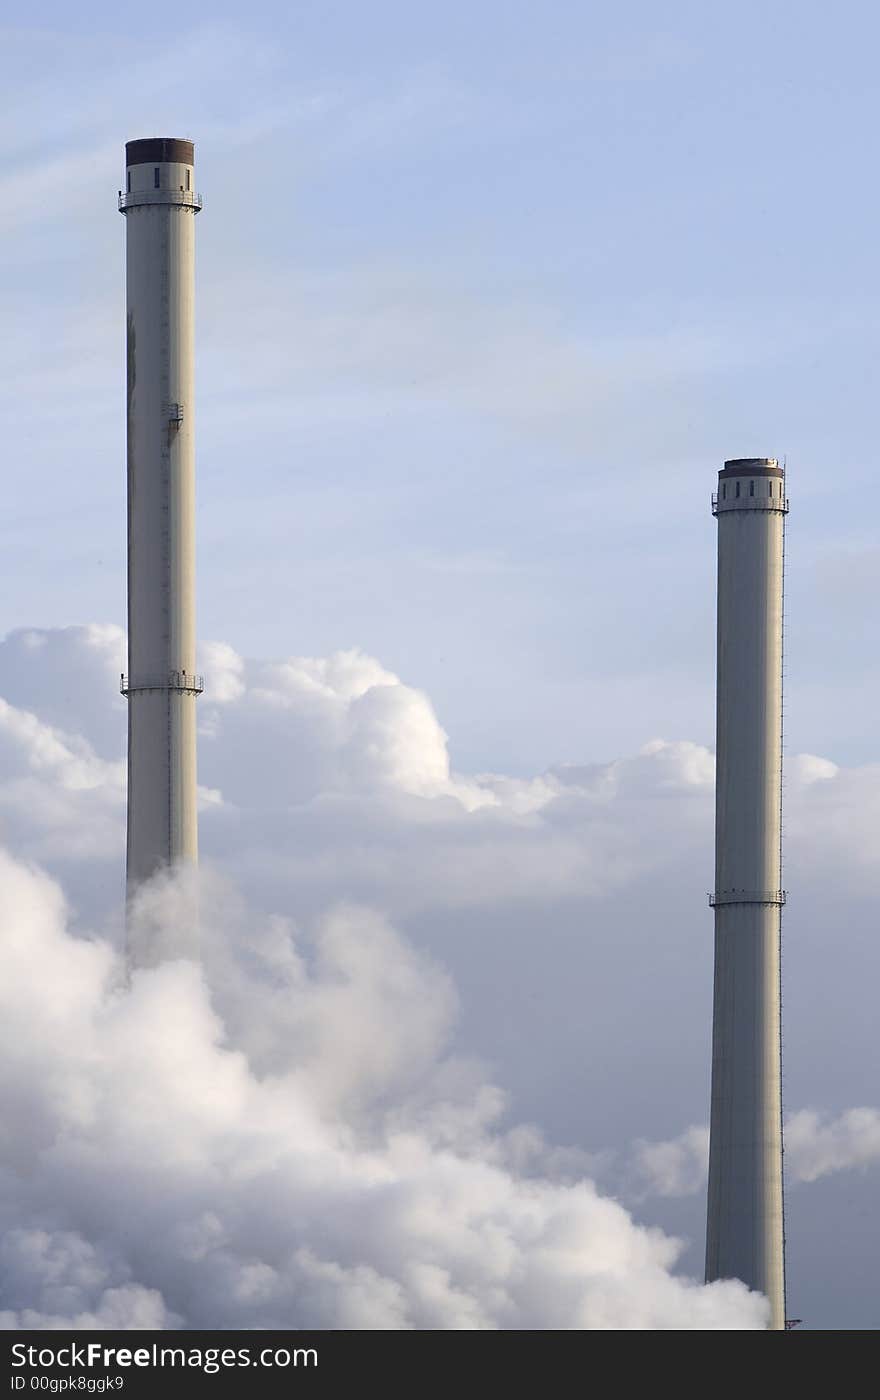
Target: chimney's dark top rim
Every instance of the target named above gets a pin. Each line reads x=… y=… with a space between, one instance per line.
x=159 y=149
x=751 y=462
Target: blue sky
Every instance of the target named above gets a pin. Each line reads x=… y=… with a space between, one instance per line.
x=486 y=294
x=485 y=298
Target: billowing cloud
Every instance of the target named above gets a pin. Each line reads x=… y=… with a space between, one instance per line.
x=315 y=1159
x=57 y=796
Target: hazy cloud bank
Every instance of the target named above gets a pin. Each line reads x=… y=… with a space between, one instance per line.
x=383 y=926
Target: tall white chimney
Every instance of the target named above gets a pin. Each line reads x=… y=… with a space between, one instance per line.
x=159 y=204
x=744 y=1237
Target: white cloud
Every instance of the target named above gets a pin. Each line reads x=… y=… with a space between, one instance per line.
x=56 y=795
x=151 y=1175
x=674 y=1168
x=69 y=676
x=383 y=924
x=817 y=1144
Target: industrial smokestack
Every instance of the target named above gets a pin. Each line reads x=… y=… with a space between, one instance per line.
x=160 y=205
x=744 y=1237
